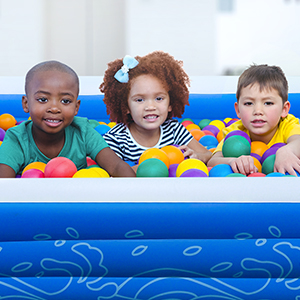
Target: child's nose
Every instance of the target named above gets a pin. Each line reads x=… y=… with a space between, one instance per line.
x=54 y=107
x=258 y=109
x=150 y=105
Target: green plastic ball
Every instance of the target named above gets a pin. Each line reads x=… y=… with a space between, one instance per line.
x=152 y=167
x=268 y=164
x=235 y=146
x=236 y=175
x=203 y=123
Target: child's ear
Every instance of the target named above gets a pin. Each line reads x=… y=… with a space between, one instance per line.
x=77 y=107
x=170 y=108
x=237 y=110
x=25 y=104
x=285 y=109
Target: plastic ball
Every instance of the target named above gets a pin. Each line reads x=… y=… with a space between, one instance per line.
x=192 y=126
x=7 y=121
x=197 y=134
x=2 y=134
x=257 y=174
x=275 y=174
x=112 y=124
x=33 y=173
x=91 y=173
x=267 y=153
x=259 y=147
x=0 y=143
x=101 y=172
x=230 y=122
x=257 y=164
x=297 y=173
x=187 y=122
x=235 y=146
x=60 y=167
x=278 y=145
x=221 y=170
x=220 y=136
x=213 y=129
x=155 y=153
x=174 y=154
x=238 y=133
x=191 y=163
x=35 y=165
x=209 y=141
x=172 y=170
x=102 y=128
x=207 y=132
x=94 y=123
x=236 y=175
x=203 y=123
x=193 y=173
x=218 y=123
x=90 y=162
x=268 y=164
x=152 y=167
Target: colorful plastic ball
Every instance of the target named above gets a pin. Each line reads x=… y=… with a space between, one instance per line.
x=257 y=164
x=152 y=167
x=268 y=164
x=90 y=162
x=0 y=143
x=278 y=145
x=33 y=173
x=193 y=173
x=187 y=122
x=93 y=172
x=7 y=121
x=174 y=154
x=238 y=133
x=213 y=129
x=187 y=119
x=267 y=153
x=275 y=174
x=192 y=126
x=259 y=147
x=197 y=134
x=221 y=170
x=60 y=167
x=102 y=129
x=256 y=156
x=155 y=153
x=235 y=146
x=207 y=132
x=172 y=170
x=191 y=163
x=218 y=123
x=101 y=172
x=236 y=175
x=94 y=123
x=2 y=134
x=257 y=174
x=297 y=173
x=209 y=141
x=112 y=124
x=220 y=136
x=203 y=123
x=35 y=165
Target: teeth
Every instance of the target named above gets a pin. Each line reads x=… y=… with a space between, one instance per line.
x=53 y=121
x=150 y=117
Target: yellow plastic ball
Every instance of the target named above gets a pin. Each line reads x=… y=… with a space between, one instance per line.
x=191 y=163
x=218 y=123
x=112 y=124
x=102 y=173
x=35 y=165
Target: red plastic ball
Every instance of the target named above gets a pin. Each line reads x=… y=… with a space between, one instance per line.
x=60 y=167
x=33 y=173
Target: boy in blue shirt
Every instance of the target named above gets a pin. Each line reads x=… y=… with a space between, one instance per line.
x=51 y=100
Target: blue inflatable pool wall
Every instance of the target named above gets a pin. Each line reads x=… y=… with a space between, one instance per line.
x=150 y=238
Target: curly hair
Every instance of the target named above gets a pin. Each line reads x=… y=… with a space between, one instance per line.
x=159 y=64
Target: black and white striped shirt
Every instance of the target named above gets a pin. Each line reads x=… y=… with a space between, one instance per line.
x=121 y=141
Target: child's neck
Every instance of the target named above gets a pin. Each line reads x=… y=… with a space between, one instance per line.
x=145 y=138
x=49 y=145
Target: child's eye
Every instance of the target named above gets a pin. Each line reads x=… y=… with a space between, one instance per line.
x=159 y=98
x=139 y=100
x=65 y=101
x=268 y=103
x=248 y=103
x=42 y=100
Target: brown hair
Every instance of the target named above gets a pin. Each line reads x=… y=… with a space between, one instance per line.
x=159 y=64
x=267 y=77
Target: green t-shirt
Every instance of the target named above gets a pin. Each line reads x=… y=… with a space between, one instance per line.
x=81 y=140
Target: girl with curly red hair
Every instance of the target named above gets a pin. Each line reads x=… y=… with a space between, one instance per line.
x=142 y=95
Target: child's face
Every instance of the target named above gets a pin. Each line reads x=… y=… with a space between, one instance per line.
x=51 y=101
x=149 y=102
x=260 y=111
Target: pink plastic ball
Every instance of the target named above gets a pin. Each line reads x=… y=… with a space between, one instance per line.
x=33 y=173
x=60 y=167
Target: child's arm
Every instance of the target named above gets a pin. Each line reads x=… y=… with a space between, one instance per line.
x=287 y=157
x=6 y=171
x=113 y=164
x=195 y=150
x=243 y=164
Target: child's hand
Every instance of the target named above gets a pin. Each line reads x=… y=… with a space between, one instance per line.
x=286 y=161
x=243 y=164
x=188 y=152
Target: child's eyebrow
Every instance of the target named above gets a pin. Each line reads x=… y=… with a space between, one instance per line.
x=48 y=93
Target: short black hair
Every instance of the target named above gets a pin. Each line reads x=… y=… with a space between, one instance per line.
x=48 y=66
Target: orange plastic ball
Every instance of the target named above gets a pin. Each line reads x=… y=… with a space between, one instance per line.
x=174 y=154
x=197 y=134
x=257 y=164
x=7 y=121
x=258 y=147
x=192 y=126
x=155 y=153
x=35 y=165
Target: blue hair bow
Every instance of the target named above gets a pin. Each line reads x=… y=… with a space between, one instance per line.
x=128 y=63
